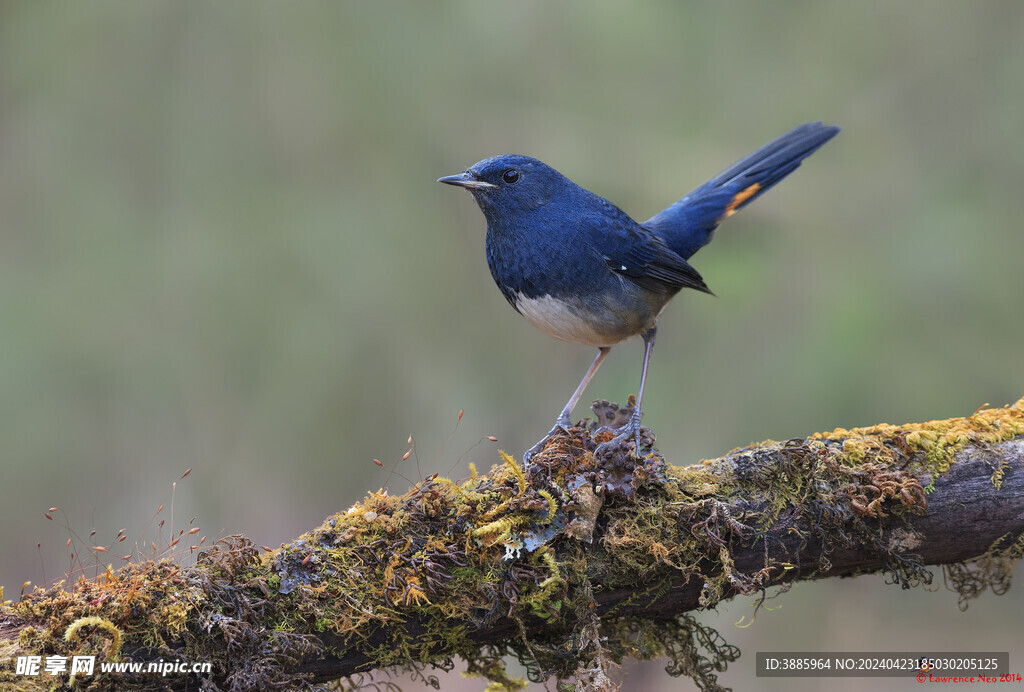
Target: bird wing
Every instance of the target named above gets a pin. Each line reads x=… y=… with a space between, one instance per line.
x=635 y=253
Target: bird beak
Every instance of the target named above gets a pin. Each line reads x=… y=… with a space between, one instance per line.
x=466 y=180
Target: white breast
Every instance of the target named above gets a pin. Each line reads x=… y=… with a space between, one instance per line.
x=562 y=321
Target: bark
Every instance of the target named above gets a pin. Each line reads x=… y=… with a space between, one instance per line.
x=520 y=563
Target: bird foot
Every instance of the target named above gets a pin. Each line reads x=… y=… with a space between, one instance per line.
x=622 y=434
x=561 y=425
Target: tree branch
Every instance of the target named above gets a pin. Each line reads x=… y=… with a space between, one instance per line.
x=569 y=565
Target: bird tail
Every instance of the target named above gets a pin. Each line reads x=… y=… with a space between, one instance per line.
x=686 y=226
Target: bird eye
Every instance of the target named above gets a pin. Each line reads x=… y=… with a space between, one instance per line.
x=510 y=176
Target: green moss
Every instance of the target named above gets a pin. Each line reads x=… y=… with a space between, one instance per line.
x=517 y=547
x=930 y=446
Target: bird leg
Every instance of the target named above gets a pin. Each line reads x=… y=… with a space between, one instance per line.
x=632 y=428
x=564 y=422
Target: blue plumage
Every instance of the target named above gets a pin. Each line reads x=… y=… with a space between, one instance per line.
x=688 y=224
x=579 y=268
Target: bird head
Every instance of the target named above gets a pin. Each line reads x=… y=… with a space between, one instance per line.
x=509 y=184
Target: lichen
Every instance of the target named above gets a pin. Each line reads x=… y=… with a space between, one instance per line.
x=991 y=570
x=410 y=581
x=930 y=446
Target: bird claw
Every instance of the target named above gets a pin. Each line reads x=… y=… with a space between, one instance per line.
x=630 y=429
x=561 y=425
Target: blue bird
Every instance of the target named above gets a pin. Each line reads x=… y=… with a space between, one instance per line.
x=579 y=268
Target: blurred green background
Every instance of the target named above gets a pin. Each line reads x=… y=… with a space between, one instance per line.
x=222 y=248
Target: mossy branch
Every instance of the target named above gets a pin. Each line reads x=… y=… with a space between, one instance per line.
x=569 y=565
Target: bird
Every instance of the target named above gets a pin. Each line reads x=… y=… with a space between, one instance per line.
x=582 y=270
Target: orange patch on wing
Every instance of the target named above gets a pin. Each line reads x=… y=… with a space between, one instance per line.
x=740 y=198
